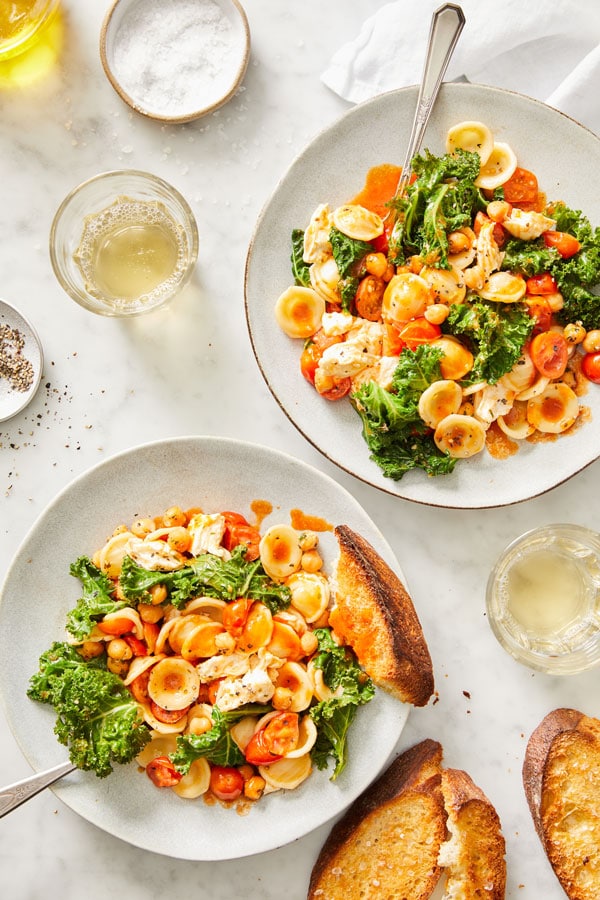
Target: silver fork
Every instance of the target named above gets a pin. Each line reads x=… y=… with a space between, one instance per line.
x=15 y=794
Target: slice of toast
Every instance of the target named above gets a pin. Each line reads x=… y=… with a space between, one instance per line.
x=561 y=777
x=387 y=843
x=374 y=614
x=474 y=855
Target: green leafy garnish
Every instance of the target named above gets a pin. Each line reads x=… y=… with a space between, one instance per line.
x=578 y=277
x=209 y=576
x=96 y=601
x=97 y=717
x=300 y=269
x=496 y=333
x=347 y=252
x=333 y=717
x=397 y=437
x=216 y=744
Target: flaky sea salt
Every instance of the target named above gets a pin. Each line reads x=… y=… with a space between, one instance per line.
x=176 y=57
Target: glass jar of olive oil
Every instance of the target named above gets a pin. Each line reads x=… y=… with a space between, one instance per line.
x=22 y=23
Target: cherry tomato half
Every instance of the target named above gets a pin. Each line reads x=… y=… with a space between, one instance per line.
x=162 y=772
x=549 y=353
x=168 y=716
x=274 y=740
x=369 y=298
x=543 y=283
x=419 y=331
x=498 y=232
x=590 y=367
x=235 y=614
x=138 y=648
x=239 y=531
x=539 y=309
x=117 y=625
x=521 y=187
x=566 y=244
x=339 y=390
x=226 y=783
x=139 y=687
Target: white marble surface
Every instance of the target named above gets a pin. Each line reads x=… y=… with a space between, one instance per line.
x=108 y=385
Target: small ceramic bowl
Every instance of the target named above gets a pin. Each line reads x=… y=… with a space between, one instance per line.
x=89 y=209
x=543 y=599
x=21 y=361
x=174 y=60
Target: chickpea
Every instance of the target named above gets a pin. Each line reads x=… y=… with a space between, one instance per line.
x=174 y=516
x=499 y=210
x=150 y=614
x=117 y=666
x=254 y=787
x=308 y=540
x=458 y=242
x=389 y=272
x=120 y=529
x=309 y=643
x=555 y=301
x=376 y=264
x=282 y=698
x=311 y=561
x=467 y=408
x=246 y=771
x=437 y=313
x=591 y=342
x=158 y=592
x=141 y=527
x=90 y=649
x=179 y=539
x=119 y=649
x=416 y=263
x=199 y=725
x=574 y=333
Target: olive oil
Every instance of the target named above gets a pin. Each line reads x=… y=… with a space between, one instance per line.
x=545 y=592
x=20 y=24
x=131 y=252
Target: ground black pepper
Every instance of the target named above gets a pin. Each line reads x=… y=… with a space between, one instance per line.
x=14 y=367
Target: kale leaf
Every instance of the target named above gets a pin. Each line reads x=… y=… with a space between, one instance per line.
x=496 y=333
x=300 y=269
x=528 y=258
x=348 y=253
x=578 y=277
x=206 y=575
x=216 y=744
x=333 y=717
x=97 y=717
x=96 y=601
x=444 y=197
x=397 y=437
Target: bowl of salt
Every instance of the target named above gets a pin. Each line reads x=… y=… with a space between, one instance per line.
x=175 y=60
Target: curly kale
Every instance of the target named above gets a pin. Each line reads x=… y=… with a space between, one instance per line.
x=397 y=437
x=96 y=601
x=216 y=744
x=97 y=717
x=333 y=717
x=300 y=269
x=209 y=576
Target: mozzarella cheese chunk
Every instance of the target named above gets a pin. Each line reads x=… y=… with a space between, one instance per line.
x=316 y=237
x=254 y=687
x=154 y=555
x=527 y=224
x=336 y=323
x=230 y=664
x=207 y=533
x=489 y=258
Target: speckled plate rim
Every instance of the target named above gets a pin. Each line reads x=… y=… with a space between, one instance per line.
x=136 y=103
x=330 y=169
x=13 y=402
x=214 y=473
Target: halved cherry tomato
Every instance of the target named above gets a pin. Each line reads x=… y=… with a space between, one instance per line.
x=162 y=772
x=565 y=243
x=313 y=351
x=339 y=390
x=235 y=615
x=539 y=309
x=543 y=283
x=138 y=647
x=139 y=687
x=226 y=783
x=118 y=625
x=590 y=367
x=211 y=690
x=151 y=632
x=419 y=331
x=369 y=298
x=381 y=244
x=239 y=531
x=392 y=343
x=521 y=187
x=168 y=716
x=278 y=737
x=549 y=353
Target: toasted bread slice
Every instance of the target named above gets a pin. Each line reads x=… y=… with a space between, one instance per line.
x=561 y=776
x=387 y=843
x=474 y=856
x=374 y=614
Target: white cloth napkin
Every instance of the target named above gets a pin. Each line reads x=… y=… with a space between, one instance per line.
x=549 y=49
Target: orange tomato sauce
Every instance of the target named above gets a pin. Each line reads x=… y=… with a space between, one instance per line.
x=379 y=187
x=498 y=444
x=261 y=509
x=303 y=522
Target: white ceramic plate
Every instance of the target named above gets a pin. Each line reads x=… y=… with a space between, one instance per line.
x=332 y=169
x=215 y=474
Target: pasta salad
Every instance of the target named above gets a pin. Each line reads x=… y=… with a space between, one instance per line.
x=201 y=648
x=463 y=314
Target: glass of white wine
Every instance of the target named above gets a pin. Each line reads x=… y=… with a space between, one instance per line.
x=123 y=243
x=543 y=599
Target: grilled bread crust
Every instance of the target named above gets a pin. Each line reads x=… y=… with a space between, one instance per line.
x=374 y=614
x=474 y=857
x=387 y=843
x=561 y=777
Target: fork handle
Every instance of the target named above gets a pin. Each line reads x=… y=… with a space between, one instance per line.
x=446 y=25
x=15 y=794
